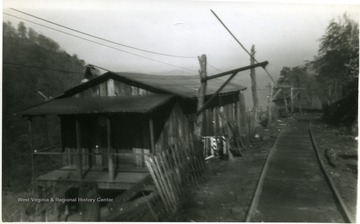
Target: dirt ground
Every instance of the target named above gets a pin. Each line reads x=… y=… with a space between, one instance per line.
x=340 y=156
x=227 y=194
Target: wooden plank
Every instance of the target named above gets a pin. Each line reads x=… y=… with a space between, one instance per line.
x=152 y=137
x=151 y=166
x=276 y=93
x=177 y=172
x=168 y=174
x=209 y=101
x=162 y=188
x=179 y=168
x=110 y=87
x=166 y=187
x=261 y=64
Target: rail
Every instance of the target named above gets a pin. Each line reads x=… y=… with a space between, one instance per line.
x=257 y=192
x=342 y=208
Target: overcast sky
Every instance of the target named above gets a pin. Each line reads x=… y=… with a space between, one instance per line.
x=284 y=35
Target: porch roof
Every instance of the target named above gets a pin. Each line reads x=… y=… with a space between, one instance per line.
x=115 y=104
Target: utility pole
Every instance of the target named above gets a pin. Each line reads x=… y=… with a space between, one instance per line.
x=269 y=107
x=201 y=95
x=253 y=87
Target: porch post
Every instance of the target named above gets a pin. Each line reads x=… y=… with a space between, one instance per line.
x=31 y=149
x=109 y=150
x=78 y=145
x=152 y=140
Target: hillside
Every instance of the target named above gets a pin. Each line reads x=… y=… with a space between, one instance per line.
x=32 y=64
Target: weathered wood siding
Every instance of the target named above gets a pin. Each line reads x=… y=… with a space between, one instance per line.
x=177 y=129
x=113 y=88
x=216 y=118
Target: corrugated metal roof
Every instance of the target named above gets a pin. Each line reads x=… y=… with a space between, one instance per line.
x=75 y=105
x=181 y=85
x=164 y=87
x=185 y=86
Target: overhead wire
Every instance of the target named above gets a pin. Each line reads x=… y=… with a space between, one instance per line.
x=242 y=46
x=41 y=68
x=73 y=35
x=101 y=38
x=213 y=67
x=110 y=41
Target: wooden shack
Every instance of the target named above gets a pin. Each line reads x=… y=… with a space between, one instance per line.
x=292 y=99
x=110 y=121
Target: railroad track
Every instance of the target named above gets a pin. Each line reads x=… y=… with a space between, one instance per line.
x=294 y=186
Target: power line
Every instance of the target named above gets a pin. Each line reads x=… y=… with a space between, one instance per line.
x=100 y=38
x=213 y=67
x=166 y=63
x=41 y=68
x=97 y=37
x=242 y=45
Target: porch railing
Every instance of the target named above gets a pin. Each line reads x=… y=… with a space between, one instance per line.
x=77 y=156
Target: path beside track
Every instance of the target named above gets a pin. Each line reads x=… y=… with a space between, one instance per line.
x=293 y=187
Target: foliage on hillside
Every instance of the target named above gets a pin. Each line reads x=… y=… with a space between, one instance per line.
x=298 y=77
x=337 y=65
x=338 y=57
x=333 y=74
x=32 y=62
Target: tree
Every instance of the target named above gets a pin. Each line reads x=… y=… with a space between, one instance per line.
x=26 y=59
x=337 y=62
x=22 y=30
x=33 y=35
x=337 y=67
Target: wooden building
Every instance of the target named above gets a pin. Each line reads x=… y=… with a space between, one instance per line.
x=292 y=99
x=110 y=121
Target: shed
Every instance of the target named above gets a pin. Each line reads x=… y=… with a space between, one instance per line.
x=109 y=122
